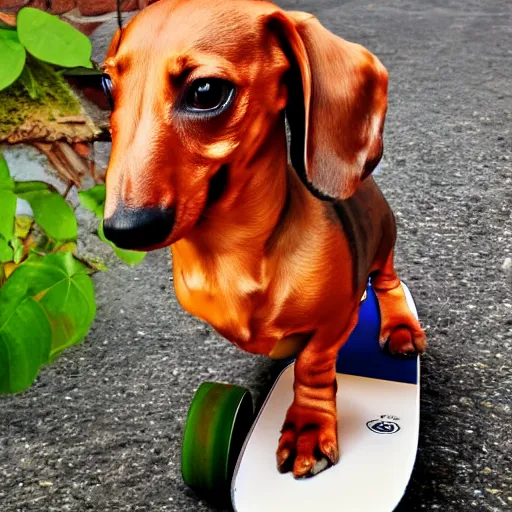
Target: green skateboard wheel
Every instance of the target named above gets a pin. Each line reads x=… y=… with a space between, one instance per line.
x=219 y=419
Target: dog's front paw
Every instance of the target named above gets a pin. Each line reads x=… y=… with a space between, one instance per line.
x=308 y=443
x=400 y=332
x=408 y=340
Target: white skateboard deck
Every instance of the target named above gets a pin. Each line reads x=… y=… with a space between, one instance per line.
x=378 y=431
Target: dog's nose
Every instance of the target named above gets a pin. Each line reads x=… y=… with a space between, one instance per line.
x=138 y=228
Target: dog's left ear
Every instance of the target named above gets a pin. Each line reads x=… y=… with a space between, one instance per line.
x=336 y=107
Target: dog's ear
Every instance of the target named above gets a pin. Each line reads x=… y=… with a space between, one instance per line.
x=336 y=106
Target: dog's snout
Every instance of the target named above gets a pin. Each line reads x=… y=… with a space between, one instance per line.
x=138 y=228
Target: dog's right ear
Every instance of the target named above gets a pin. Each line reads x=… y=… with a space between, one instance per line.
x=336 y=107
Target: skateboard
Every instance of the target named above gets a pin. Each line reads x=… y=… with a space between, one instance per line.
x=228 y=456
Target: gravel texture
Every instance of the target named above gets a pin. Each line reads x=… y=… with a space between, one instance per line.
x=102 y=427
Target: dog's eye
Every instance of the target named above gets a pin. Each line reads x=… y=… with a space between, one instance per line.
x=106 y=83
x=208 y=94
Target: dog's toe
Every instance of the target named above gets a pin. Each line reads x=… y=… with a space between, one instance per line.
x=403 y=341
x=307 y=452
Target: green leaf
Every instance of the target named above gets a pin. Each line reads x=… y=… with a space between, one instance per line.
x=20 y=187
x=17 y=247
x=51 y=40
x=25 y=339
x=12 y=57
x=7 y=213
x=93 y=199
x=53 y=214
x=6 y=252
x=6 y=182
x=7 y=201
x=60 y=284
x=69 y=303
x=129 y=257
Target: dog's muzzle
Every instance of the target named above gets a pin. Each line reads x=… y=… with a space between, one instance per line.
x=138 y=228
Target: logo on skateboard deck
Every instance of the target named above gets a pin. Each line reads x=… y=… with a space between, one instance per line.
x=383 y=425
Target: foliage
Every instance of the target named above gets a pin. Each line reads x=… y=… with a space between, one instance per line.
x=45 y=37
x=51 y=40
x=35 y=55
x=13 y=60
x=46 y=292
x=46 y=305
x=40 y=97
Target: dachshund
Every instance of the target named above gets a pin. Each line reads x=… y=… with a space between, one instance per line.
x=272 y=243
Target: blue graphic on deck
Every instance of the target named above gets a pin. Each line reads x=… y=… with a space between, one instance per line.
x=383 y=427
x=362 y=356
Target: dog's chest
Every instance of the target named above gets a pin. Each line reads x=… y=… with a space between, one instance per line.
x=224 y=295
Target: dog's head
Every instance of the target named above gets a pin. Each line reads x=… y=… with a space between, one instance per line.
x=197 y=88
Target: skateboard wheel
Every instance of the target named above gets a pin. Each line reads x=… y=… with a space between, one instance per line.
x=219 y=419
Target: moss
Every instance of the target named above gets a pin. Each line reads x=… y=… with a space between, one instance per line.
x=51 y=98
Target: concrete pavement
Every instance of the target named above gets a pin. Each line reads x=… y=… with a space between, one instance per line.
x=102 y=428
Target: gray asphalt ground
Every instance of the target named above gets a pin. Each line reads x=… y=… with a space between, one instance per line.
x=102 y=427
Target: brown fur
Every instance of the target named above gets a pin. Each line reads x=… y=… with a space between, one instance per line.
x=262 y=251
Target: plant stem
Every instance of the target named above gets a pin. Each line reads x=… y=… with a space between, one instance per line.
x=68 y=189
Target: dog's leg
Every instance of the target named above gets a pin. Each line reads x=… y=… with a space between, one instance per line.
x=400 y=331
x=309 y=441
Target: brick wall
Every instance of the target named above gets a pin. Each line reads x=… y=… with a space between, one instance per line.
x=84 y=7
x=86 y=15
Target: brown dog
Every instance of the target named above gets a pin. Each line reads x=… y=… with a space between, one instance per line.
x=274 y=257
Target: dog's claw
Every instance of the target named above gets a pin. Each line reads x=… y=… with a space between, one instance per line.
x=321 y=465
x=308 y=470
x=302 y=467
x=282 y=457
x=307 y=449
x=331 y=451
